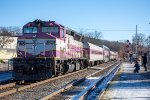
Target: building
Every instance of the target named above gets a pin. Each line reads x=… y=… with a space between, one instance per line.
x=9 y=51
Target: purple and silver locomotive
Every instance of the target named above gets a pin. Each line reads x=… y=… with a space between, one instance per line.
x=47 y=49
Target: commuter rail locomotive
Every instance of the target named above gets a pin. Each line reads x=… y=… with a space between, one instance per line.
x=47 y=49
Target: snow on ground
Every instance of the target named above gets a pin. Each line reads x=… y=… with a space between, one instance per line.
x=127 y=85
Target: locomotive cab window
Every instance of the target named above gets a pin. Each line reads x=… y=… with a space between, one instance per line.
x=30 y=30
x=50 y=29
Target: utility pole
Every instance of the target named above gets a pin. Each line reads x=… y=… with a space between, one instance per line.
x=136 y=49
x=149 y=50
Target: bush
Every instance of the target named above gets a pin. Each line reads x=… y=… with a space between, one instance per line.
x=1 y=61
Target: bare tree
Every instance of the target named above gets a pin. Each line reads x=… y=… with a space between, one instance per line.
x=95 y=34
x=147 y=41
x=139 y=40
x=122 y=52
x=92 y=36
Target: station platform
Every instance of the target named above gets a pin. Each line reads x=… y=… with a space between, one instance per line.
x=5 y=72
x=4 y=76
x=127 y=85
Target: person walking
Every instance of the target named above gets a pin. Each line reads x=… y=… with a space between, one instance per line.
x=144 y=60
x=137 y=67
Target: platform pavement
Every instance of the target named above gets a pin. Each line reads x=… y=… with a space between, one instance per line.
x=127 y=85
x=5 y=76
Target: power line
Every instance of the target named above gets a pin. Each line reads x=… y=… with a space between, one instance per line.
x=124 y=30
x=111 y=29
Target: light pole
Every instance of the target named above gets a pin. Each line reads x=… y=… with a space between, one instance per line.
x=149 y=51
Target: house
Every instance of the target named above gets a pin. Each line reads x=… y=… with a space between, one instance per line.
x=9 y=50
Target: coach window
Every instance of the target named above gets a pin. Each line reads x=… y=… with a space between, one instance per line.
x=63 y=33
x=30 y=30
x=50 y=29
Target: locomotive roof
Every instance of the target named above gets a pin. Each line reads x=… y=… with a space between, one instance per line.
x=37 y=21
x=69 y=31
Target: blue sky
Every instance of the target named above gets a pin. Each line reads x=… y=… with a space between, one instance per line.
x=107 y=16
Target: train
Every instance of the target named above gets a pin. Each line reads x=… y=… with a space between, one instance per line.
x=47 y=49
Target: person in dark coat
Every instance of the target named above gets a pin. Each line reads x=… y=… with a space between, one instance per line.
x=144 y=60
x=137 y=67
x=130 y=58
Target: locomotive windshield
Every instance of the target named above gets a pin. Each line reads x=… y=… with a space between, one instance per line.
x=30 y=30
x=50 y=29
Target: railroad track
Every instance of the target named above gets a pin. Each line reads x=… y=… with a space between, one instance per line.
x=7 y=89
x=10 y=88
x=82 y=88
x=43 y=88
x=9 y=85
